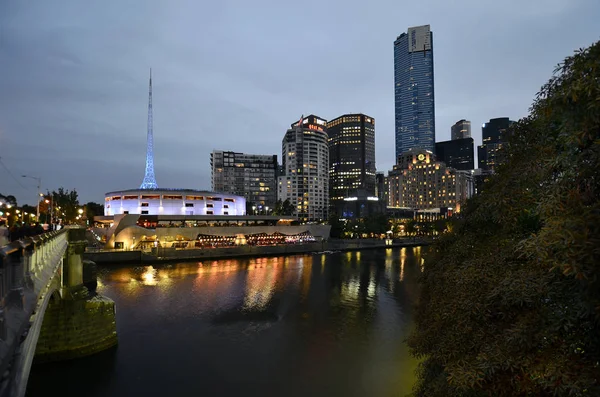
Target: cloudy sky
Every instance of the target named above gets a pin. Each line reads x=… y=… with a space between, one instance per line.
x=233 y=75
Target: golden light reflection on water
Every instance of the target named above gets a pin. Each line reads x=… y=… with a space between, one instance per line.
x=402 y=262
x=260 y=282
x=149 y=276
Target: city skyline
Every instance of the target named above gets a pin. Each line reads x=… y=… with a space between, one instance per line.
x=77 y=78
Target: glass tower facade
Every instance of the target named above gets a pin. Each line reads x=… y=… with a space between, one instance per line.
x=414 y=90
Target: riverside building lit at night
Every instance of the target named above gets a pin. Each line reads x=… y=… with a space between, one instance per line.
x=352 y=164
x=305 y=158
x=172 y=202
x=253 y=176
x=419 y=182
x=152 y=217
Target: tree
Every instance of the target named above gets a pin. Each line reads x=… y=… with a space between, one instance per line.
x=93 y=209
x=284 y=208
x=376 y=223
x=337 y=226
x=510 y=298
x=411 y=227
x=66 y=204
x=10 y=199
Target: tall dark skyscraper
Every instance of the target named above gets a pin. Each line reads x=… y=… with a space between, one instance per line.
x=457 y=153
x=493 y=135
x=461 y=129
x=414 y=90
x=351 y=155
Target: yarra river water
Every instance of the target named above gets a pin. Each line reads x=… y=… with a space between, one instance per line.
x=311 y=325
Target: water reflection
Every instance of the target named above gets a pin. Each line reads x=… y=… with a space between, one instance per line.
x=315 y=325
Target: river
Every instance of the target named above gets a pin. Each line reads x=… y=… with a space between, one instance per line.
x=311 y=325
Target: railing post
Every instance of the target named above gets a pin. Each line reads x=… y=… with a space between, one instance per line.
x=3 y=289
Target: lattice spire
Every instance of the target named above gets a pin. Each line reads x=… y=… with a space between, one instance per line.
x=149 y=178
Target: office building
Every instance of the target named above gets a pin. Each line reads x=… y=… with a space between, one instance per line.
x=305 y=161
x=461 y=130
x=253 y=176
x=420 y=182
x=351 y=156
x=493 y=135
x=414 y=90
x=457 y=153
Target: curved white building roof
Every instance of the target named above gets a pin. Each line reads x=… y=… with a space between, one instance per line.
x=172 y=202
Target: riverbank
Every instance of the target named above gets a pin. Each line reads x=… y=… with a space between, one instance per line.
x=174 y=254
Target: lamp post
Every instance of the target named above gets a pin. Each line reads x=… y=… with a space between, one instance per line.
x=39 y=183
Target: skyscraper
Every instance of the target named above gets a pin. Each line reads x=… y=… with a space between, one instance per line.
x=461 y=129
x=305 y=158
x=493 y=135
x=457 y=153
x=414 y=90
x=149 y=181
x=252 y=176
x=351 y=155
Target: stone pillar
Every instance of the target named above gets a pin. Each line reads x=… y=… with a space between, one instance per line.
x=82 y=322
x=73 y=265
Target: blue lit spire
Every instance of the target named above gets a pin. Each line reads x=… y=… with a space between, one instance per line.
x=149 y=179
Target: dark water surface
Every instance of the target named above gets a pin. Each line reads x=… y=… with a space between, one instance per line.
x=312 y=325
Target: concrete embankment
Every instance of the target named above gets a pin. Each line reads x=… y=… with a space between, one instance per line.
x=174 y=254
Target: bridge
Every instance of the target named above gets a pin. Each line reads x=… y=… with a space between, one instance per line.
x=49 y=309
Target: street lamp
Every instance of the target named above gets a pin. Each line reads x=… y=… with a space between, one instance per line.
x=39 y=183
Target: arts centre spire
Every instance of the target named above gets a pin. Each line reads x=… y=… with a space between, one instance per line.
x=149 y=178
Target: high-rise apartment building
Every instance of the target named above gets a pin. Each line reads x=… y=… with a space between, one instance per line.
x=253 y=176
x=305 y=161
x=414 y=90
x=461 y=130
x=351 y=156
x=419 y=182
x=493 y=135
x=457 y=153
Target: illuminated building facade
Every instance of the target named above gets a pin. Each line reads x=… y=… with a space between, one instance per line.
x=460 y=130
x=172 y=202
x=305 y=164
x=420 y=182
x=351 y=156
x=414 y=90
x=252 y=176
x=457 y=153
x=493 y=135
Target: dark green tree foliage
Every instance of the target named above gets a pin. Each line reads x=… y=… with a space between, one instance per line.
x=510 y=301
x=93 y=209
x=284 y=208
x=337 y=226
x=377 y=223
x=68 y=201
x=10 y=199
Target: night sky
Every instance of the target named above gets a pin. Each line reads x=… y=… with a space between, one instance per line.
x=233 y=75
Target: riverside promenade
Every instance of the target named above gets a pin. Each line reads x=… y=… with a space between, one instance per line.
x=175 y=254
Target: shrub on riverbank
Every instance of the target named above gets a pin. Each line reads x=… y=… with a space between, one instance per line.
x=510 y=300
